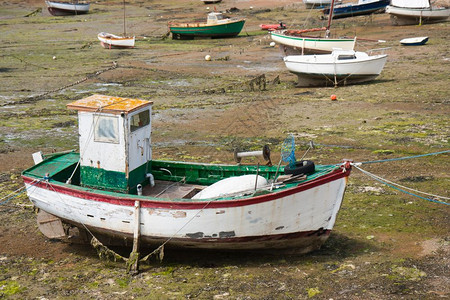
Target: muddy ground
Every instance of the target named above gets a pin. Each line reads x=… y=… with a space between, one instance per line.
x=386 y=244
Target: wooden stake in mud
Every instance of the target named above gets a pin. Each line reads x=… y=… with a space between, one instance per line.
x=133 y=261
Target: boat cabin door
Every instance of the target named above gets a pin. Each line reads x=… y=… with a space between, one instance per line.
x=139 y=143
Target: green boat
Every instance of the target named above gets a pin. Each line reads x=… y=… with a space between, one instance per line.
x=216 y=26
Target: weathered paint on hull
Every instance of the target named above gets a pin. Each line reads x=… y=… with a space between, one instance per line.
x=301 y=242
x=297 y=216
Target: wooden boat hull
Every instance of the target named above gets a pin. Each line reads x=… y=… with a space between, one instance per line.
x=351 y=10
x=301 y=215
x=290 y=44
x=113 y=41
x=192 y=30
x=325 y=70
x=414 y=16
x=66 y=9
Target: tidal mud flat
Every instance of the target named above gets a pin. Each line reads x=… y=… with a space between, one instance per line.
x=385 y=244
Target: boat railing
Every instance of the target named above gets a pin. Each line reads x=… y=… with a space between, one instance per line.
x=378 y=50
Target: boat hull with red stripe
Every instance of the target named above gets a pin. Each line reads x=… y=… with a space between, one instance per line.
x=297 y=215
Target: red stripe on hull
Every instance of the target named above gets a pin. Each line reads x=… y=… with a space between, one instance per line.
x=119 y=199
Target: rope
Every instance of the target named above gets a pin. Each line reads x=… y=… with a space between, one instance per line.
x=403 y=158
x=402 y=188
x=14 y=195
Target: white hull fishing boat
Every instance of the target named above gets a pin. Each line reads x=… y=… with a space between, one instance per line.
x=115 y=191
x=108 y=40
x=413 y=12
x=295 y=41
x=339 y=67
x=59 y=8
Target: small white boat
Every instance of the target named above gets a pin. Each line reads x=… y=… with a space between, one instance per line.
x=295 y=42
x=109 y=40
x=415 y=41
x=341 y=67
x=292 y=41
x=59 y=8
x=411 y=12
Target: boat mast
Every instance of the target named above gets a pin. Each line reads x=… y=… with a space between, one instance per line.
x=330 y=17
x=124 y=30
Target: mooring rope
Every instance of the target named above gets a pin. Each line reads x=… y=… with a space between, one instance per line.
x=403 y=158
x=18 y=192
x=402 y=188
x=398 y=186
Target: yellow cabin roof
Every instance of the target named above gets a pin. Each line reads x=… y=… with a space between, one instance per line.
x=108 y=104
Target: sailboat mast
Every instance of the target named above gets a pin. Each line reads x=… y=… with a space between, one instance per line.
x=124 y=30
x=330 y=17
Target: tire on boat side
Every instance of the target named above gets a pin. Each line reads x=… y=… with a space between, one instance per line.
x=301 y=167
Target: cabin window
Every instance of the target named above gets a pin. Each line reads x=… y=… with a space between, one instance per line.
x=346 y=56
x=140 y=120
x=106 y=129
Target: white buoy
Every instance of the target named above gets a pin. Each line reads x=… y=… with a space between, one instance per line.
x=272 y=44
x=208 y=57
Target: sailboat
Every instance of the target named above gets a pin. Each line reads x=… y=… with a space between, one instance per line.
x=295 y=42
x=411 y=12
x=109 y=40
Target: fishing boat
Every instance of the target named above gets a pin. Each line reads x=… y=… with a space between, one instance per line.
x=109 y=40
x=59 y=8
x=300 y=42
x=216 y=26
x=415 y=41
x=411 y=12
x=338 y=68
x=318 y=3
x=362 y=7
x=114 y=191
